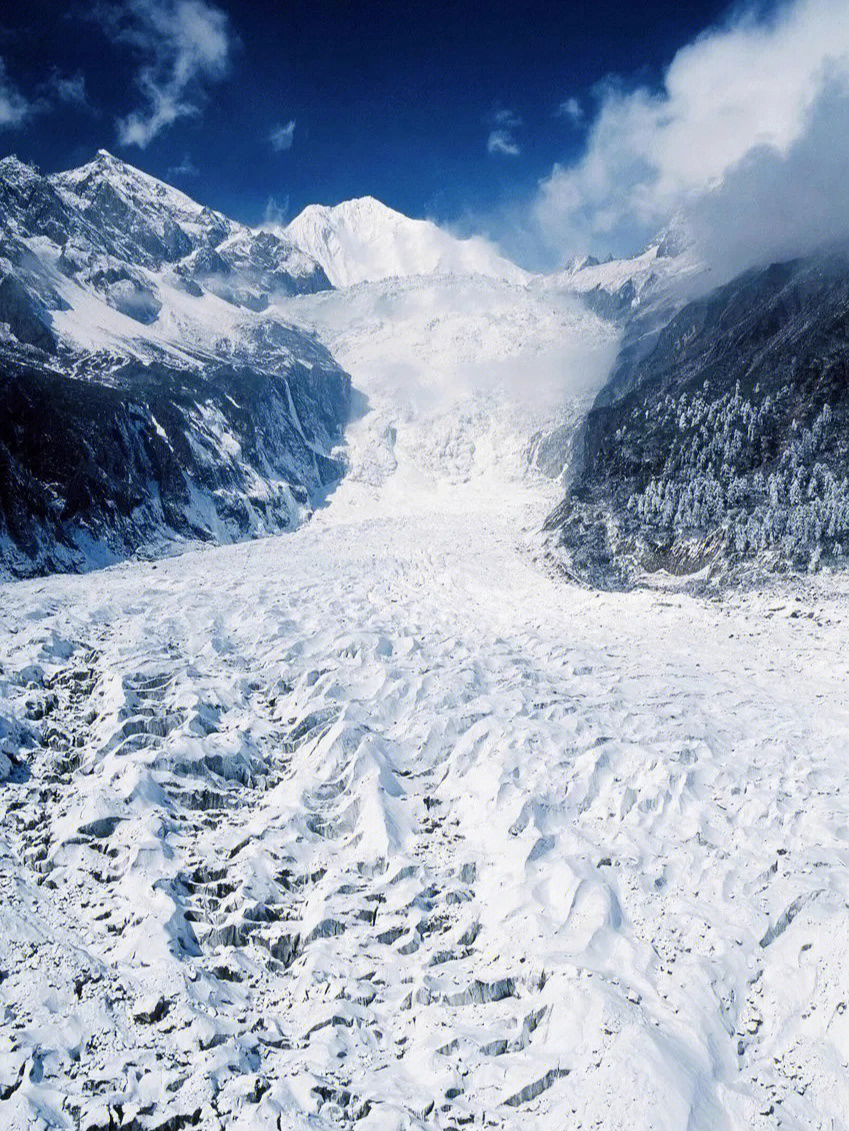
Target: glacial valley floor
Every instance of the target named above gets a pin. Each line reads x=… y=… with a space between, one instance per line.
x=382 y=824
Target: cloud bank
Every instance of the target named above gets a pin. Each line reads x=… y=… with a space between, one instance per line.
x=185 y=44
x=747 y=141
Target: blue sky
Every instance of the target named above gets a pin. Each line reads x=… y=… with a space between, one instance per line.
x=449 y=110
x=554 y=128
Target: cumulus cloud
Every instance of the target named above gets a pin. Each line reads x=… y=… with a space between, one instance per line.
x=185 y=44
x=281 y=137
x=14 y=107
x=502 y=134
x=748 y=115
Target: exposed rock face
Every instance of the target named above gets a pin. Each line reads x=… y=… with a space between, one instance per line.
x=726 y=446
x=95 y=470
x=142 y=398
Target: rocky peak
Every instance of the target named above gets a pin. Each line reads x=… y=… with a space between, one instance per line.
x=13 y=170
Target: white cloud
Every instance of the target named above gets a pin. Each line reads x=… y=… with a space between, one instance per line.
x=14 y=107
x=67 y=88
x=502 y=135
x=185 y=168
x=184 y=43
x=281 y=137
x=738 y=107
x=571 y=108
x=500 y=141
x=277 y=212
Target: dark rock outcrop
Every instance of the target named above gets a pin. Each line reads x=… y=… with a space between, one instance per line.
x=92 y=471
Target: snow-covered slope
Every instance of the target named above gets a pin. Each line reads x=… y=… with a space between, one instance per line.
x=147 y=394
x=363 y=240
x=106 y=180
x=621 y=289
x=120 y=280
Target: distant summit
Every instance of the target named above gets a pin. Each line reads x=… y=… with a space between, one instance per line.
x=363 y=240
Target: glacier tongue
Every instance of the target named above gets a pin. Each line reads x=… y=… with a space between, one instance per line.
x=396 y=829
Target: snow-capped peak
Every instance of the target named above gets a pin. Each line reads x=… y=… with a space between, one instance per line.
x=363 y=240
x=148 y=223
x=142 y=192
x=104 y=166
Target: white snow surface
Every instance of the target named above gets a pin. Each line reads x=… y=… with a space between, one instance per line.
x=363 y=240
x=384 y=824
x=667 y=280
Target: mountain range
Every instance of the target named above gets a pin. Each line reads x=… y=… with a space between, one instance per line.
x=384 y=822
x=155 y=387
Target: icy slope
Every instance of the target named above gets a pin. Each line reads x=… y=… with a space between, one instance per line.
x=465 y=379
x=637 y=290
x=363 y=240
